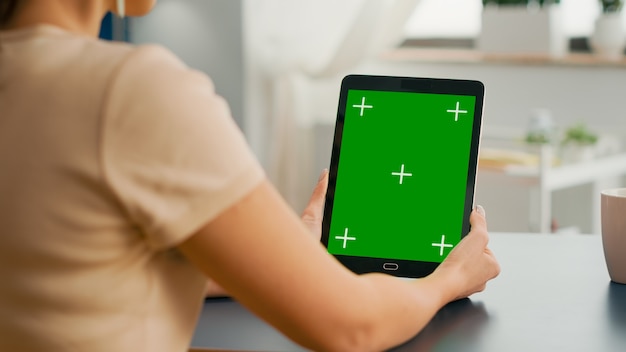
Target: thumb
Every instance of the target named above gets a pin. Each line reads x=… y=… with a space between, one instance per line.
x=477 y=218
x=314 y=211
x=478 y=234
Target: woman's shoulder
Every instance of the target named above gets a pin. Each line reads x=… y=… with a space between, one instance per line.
x=66 y=47
x=118 y=70
x=132 y=53
x=151 y=59
x=141 y=57
x=153 y=70
x=83 y=56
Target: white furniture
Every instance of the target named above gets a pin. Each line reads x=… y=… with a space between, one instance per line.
x=544 y=179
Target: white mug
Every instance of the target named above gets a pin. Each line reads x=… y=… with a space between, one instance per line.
x=613 y=208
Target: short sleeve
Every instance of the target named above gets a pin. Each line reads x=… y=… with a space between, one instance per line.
x=171 y=152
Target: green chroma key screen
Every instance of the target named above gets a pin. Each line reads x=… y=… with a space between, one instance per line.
x=402 y=175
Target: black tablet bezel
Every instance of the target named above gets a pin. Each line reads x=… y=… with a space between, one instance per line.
x=396 y=267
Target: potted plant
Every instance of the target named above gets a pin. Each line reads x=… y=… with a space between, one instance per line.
x=541 y=128
x=611 y=6
x=578 y=143
x=607 y=38
x=522 y=26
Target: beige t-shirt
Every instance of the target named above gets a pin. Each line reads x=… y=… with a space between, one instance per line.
x=110 y=156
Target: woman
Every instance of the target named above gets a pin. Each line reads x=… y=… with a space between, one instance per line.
x=125 y=183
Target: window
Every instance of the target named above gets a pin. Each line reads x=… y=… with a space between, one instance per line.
x=461 y=18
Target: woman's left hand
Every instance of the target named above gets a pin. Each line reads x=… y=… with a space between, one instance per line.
x=314 y=211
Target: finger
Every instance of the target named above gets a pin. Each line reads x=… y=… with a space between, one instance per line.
x=319 y=193
x=312 y=214
x=496 y=266
x=478 y=235
x=477 y=219
x=479 y=208
x=213 y=289
x=316 y=203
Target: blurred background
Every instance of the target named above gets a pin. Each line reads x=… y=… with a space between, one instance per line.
x=554 y=122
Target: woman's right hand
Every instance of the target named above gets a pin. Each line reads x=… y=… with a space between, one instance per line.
x=471 y=263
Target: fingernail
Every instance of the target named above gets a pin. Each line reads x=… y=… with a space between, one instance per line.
x=480 y=209
x=322 y=175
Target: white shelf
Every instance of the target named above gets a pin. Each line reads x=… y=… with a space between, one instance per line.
x=473 y=56
x=570 y=175
x=585 y=172
x=545 y=179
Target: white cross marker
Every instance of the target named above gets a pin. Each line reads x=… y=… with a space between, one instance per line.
x=401 y=173
x=362 y=106
x=442 y=245
x=345 y=238
x=457 y=112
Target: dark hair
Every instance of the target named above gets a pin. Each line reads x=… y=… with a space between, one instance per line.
x=7 y=9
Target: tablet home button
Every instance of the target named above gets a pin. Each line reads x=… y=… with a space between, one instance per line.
x=390 y=266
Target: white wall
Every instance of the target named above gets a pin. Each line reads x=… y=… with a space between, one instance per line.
x=206 y=35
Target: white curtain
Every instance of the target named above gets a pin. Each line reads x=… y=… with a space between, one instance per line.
x=291 y=44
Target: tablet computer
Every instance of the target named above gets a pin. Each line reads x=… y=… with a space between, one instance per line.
x=402 y=173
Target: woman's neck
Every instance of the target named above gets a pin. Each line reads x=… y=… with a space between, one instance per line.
x=77 y=16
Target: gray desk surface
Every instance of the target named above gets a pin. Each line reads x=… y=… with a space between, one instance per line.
x=554 y=294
